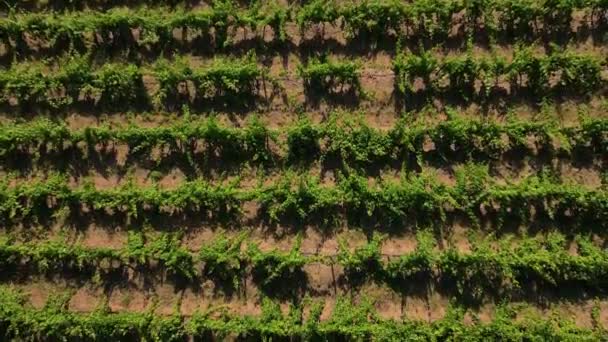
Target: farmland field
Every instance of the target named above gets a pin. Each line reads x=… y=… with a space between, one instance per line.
x=385 y=170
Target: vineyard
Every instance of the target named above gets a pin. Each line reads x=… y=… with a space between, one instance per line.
x=281 y=170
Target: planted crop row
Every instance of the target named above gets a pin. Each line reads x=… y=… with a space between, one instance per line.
x=487 y=269
x=419 y=199
x=367 y=17
x=343 y=137
x=325 y=75
x=249 y=142
x=122 y=84
x=353 y=141
x=56 y=256
x=348 y=321
x=436 y=18
x=558 y=71
x=235 y=81
x=484 y=270
x=155 y=25
x=221 y=260
x=539 y=74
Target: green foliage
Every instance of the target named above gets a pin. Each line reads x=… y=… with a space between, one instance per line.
x=114 y=84
x=32 y=201
x=317 y=12
x=408 y=67
x=238 y=81
x=57 y=256
x=223 y=258
x=349 y=320
x=352 y=140
x=228 y=78
x=156 y=24
x=348 y=138
x=543 y=261
x=273 y=266
x=174 y=258
x=431 y=18
x=117 y=84
x=363 y=261
x=325 y=75
x=247 y=143
x=262 y=14
x=376 y=17
x=373 y=17
x=303 y=141
x=298 y=197
x=576 y=73
x=415 y=199
x=412 y=266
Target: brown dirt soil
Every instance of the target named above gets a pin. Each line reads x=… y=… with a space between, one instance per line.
x=128 y=299
x=86 y=299
x=388 y=303
x=459 y=238
x=38 y=292
x=581 y=314
x=322 y=278
x=437 y=305
x=486 y=313
x=578 y=312
x=330 y=303
x=445 y=176
x=190 y=303
x=172 y=180
x=416 y=308
x=588 y=177
x=167 y=299
x=96 y=237
x=399 y=245
x=603 y=317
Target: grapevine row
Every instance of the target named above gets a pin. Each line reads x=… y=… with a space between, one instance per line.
x=432 y=18
x=122 y=84
x=539 y=74
x=235 y=80
x=436 y=18
x=156 y=25
x=484 y=270
x=325 y=75
x=419 y=199
x=342 y=136
x=348 y=321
